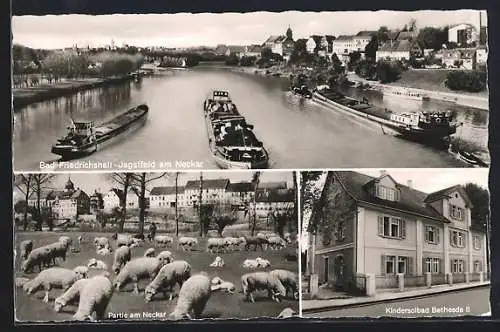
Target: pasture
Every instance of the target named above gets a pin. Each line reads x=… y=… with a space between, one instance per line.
x=221 y=305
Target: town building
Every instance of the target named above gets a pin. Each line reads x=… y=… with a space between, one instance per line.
x=132 y=198
x=273 y=185
x=253 y=51
x=213 y=191
x=69 y=203
x=374 y=226
x=274 y=200
x=462 y=34
x=240 y=193
x=96 y=202
x=399 y=50
x=464 y=58
x=481 y=55
x=342 y=46
x=282 y=45
x=112 y=199
x=164 y=197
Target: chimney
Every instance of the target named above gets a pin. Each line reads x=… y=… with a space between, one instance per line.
x=383 y=172
x=410 y=184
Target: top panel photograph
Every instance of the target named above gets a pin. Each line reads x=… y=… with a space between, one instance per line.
x=252 y=90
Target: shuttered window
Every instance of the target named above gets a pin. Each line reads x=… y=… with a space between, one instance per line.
x=391 y=227
x=432 y=234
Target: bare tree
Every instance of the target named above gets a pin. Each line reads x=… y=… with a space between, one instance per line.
x=124 y=180
x=142 y=180
x=255 y=182
x=23 y=183
x=40 y=183
x=177 y=203
x=200 y=210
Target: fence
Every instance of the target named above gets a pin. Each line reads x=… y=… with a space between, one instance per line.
x=438 y=279
x=356 y=285
x=387 y=281
x=475 y=277
x=458 y=278
x=414 y=281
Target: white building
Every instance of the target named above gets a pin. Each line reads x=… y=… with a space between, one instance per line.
x=481 y=55
x=164 y=197
x=278 y=200
x=111 y=199
x=132 y=198
x=240 y=193
x=310 y=45
x=462 y=34
x=213 y=191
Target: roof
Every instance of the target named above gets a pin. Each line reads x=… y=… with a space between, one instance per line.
x=273 y=185
x=220 y=49
x=432 y=197
x=404 y=35
x=255 y=48
x=236 y=48
x=157 y=191
x=61 y=194
x=411 y=200
x=366 y=33
x=397 y=46
x=207 y=184
x=343 y=38
x=117 y=192
x=133 y=190
x=241 y=187
x=330 y=38
x=275 y=39
x=274 y=195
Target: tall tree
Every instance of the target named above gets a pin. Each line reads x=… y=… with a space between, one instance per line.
x=177 y=203
x=41 y=182
x=383 y=34
x=255 y=182
x=295 y=214
x=124 y=180
x=24 y=183
x=200 y=209
x=142 y=180
x=371 y=49
x=481 y=200
x=309 y=192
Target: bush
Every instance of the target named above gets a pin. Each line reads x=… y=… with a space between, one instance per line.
x=247 y=61
x=471 y=81
x=388 y=72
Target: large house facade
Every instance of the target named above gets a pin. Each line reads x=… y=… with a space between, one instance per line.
x=377 y=227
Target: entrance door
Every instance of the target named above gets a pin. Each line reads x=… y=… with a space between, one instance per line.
x=339 y=272
x=327 y=269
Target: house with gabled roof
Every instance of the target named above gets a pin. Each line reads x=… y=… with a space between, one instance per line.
x=112 y=199
x=376 y=228
x=165 y=197
x=274 y=199
x=281 y=44
x=399 y=50
x=213 y=191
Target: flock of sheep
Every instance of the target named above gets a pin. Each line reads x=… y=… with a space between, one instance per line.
x=92 y=287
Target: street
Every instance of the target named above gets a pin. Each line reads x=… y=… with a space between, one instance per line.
x=476 y=301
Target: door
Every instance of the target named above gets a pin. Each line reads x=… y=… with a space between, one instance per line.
x=339 y=272
x=327 y=269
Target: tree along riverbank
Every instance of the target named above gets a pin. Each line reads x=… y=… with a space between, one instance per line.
x=26 y=96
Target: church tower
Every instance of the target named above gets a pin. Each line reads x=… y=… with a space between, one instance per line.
x=289 y=33
x=69 y=186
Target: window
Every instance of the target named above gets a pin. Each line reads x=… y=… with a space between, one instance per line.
x=386 y=193
x=397 y=264
x=402 y=264
x=390 y=262
x=456 y=212
x=457 y=266
x=476 y=240
x=457 y=239
x=431 y=234
x=391 y=227
x=477 y=266
x=432 y=265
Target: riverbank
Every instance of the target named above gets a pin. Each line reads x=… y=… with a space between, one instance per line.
x=480 y=100
x=25 y=96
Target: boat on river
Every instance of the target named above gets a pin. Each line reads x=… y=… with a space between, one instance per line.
x=302 y=91
x=85 y=137
x=231 y=139
x=405 y=93
x=422 y=126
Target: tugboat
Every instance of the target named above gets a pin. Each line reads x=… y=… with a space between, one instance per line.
x=427 y=125
x=84 y=137
x=231 y=139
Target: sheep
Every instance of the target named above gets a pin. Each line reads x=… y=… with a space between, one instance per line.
x=59 y=249
x=82 y=270
x=186 y=241
x=136 y=243
x=102 y=242
x=193 y=297
x=255 y=241
x=123 y=239
x=219 y=284
x=94 y=297
x=232 y=243
x=165 y=256
x=287 y=313
x=170 y=274
x=37 y=257
x=215 y=243
x=122 y=256
x=25 y=248
x=262 y=262
x=150 y=252
x=137 y=269
x=218 y=262
x=250 y=264
x=276 y=243
x=288 y=237
x=97 y=264
x=71 y=295
x=289 y=280
x=66 y=239
x=104 y=251
x=163 y=241
x=251 y=282
x=55 y=277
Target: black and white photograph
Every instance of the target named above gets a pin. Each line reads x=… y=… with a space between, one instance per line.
x=395 y=243
x=155 y=246
x=251 y=90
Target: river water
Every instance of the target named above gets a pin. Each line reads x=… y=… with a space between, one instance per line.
x=297 y=134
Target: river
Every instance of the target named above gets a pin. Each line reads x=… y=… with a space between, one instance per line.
x=297 y=134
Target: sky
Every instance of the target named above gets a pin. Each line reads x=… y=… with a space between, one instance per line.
x=89 y=182
x=210 y=29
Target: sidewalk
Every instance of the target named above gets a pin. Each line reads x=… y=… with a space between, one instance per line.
x=392 y=295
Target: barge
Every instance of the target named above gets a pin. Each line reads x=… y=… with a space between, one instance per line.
x=405 y=93
x=231 y=139
x=85 y=137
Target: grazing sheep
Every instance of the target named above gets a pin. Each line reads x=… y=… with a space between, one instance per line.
x=104 y=251
x=250 y=263
x=122 y=256
x=218 y=262
x=136 y=243
x=163 y=241
x=59 y=249
x=193 y=297
x=169 y=275
x=288 y=237
x=123 y=239
x=263 y=262
x=55 y=277
x=150 y=252
x=287 y=313
x=97 y=264
x=137 y=269
x=252 y=282
x=70 y=296
x=187 y=242
x=289 y=280
x=276 y=243
x=82 y=270
x=165 y=256
x=94 y=297
x=102 y=242
x=216 y=244
x=255 y=241
x=220 y=285
x=37 y=257
x=25 y=248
